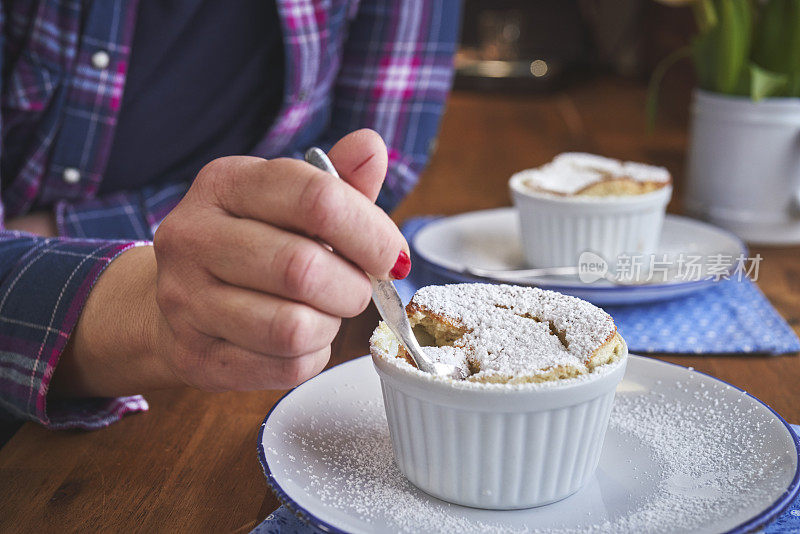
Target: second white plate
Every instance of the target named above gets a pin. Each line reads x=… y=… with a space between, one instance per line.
x=489 y=239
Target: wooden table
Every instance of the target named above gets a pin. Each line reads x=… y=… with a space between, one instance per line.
x=190 y=463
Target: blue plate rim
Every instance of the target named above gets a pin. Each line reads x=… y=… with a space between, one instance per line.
x=770 y=513
x=743 y=249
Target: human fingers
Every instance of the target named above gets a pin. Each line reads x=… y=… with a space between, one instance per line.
x=298 y=197
x=258 y=256
x=361 y=159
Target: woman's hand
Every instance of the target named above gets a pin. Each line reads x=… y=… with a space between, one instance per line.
x=242 y=291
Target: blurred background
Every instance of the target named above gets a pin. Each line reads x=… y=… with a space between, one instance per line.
x=542 y=45
x=538 y=78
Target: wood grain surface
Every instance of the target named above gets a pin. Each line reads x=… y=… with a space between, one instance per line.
x=190 y=463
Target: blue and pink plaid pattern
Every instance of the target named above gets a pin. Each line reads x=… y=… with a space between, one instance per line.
x=383 y=64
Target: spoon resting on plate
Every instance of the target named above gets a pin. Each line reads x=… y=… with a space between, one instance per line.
x=388 y=302
x=522 y=275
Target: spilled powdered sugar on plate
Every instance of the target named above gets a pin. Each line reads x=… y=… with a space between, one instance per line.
x=707 y=461
x=704 y=464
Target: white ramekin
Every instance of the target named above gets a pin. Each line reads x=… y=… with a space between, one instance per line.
x=557 y=229
x=498 y=447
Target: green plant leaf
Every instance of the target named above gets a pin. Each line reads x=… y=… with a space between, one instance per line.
x=703 y=56
x=651 y=105
x=793 y=23
x=705 y=15
x=773 y=36
x=793 y=88
x=765 y=83
x=733 y=43
x=721 y=52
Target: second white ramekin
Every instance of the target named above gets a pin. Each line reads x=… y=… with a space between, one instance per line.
x=556 y=230
x=498 y=447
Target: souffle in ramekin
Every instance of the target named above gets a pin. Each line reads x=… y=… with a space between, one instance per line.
x=525 y=425
x=586 y=203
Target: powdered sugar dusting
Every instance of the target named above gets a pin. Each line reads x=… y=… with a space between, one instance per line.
x=516 y=330
x=571 y=172
x=581 y=161
x=710 y=463
x=708 y=458
x=353 y=469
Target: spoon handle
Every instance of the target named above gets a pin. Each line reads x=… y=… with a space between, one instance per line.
x=319 y=159
x=384 y=294
x=391 y=308
x=520 y=273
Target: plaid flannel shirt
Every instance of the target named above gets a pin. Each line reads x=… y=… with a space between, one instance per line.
x=383 y=64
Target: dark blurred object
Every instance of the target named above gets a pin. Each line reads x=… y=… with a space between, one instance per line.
x=666 y=29
x=616 y=32
x=519 y=44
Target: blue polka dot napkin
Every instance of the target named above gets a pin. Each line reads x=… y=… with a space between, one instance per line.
x=730 y=317
x=282 y=521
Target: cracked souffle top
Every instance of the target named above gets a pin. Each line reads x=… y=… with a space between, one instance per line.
x=506 y=334
x=575 y=173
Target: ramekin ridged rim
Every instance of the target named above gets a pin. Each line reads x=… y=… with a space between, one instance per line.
x=494 y=396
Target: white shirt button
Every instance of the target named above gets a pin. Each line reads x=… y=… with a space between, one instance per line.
x=71 y=175
x=100 y=60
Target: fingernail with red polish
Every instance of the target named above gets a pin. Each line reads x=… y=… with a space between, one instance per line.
x=401 y=267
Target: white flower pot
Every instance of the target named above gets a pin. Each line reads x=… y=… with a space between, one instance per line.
x=744 y=166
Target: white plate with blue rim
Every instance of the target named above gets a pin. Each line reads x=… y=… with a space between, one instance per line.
x=490 y=240
x=685 y=452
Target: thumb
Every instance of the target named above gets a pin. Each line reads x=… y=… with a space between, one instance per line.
x=361 y=159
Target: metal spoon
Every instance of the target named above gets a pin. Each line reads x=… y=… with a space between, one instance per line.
x=388 y=302
x=529 y=275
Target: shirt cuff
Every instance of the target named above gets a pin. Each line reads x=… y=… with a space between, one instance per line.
x=40 y=303
x=118 y=215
